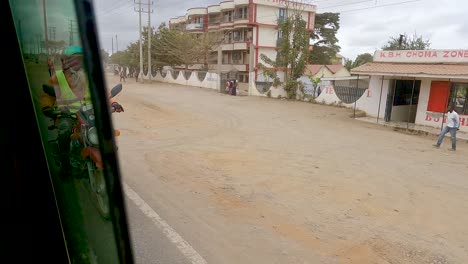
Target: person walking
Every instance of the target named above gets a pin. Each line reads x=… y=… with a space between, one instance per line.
x=122 y=75
x=453 y=124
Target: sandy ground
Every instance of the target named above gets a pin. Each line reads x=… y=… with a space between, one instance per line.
x=258 y=180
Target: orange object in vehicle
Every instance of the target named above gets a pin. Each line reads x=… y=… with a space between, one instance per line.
x=95 y=156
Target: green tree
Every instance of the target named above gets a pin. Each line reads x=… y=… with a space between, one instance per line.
x=360 y=60
x=405 y=42
x=174 y=47
x=325 y=43
x=292 y=54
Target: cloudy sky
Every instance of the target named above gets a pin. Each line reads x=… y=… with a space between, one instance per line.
x=365 y=25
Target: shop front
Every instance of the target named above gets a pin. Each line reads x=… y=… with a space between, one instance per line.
x=416 y=87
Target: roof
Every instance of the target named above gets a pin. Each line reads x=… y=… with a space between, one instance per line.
x=412 y=69
x=315 y=68
x=335 y=67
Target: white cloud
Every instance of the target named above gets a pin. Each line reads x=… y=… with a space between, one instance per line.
x=444 y=23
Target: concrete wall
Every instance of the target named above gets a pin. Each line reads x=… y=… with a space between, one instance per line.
x=210 y=81
x=267 y=14
x=267 y=36
x=369 y=101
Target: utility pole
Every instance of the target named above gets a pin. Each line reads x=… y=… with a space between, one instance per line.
x=149 y=38
x=112 y=45
x=52 y=33
x=140 y=10
x=141 y=43
x=45 y=25
x=116 y=42
x=400 y=41
x=71 y=32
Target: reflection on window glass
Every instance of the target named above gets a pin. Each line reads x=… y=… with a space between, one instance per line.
x=459 y=97
x=58 y=82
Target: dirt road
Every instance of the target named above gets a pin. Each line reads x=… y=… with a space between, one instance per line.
x=258 y=180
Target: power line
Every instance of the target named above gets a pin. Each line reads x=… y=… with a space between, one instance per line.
x=392 y=4
x=115 y=6
x=117 y=10
x=354 y=3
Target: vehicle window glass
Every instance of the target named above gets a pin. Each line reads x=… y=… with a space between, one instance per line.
x=59 y=84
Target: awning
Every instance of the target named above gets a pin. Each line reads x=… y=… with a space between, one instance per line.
x=452 y=71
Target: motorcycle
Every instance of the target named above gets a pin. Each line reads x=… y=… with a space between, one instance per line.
x=85 y=157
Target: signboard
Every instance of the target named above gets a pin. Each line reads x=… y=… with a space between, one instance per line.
x=422 y=56
x=285 y=3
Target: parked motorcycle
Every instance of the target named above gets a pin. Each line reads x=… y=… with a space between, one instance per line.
x=85 y=157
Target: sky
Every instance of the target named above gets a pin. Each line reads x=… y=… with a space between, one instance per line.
x=365 y=26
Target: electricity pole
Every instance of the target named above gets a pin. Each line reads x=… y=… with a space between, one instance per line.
x=149 y=38
x=112 y=45
x=116 y=42
x=140 y=10
x=72 y=31
x=141 y=42
x=45 y=25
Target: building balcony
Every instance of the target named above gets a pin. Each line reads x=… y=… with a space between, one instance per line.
x=235 y=46
x=194 y=26
x=214 y=9
x=227 y=24
x=227 y=5
x=213 y=26
x=241 y=23
x=197 y=11
x=241 y=2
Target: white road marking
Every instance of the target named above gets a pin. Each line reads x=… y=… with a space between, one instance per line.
x=184 y=247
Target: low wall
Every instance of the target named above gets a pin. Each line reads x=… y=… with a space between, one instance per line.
x=203 y=79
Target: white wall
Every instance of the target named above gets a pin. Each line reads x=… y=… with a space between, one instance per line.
x=267 y=14
x=210 y=81
x=267 y=36
x=369 y=101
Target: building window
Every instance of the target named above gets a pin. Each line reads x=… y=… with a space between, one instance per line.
x=237 y=36
x=242 y=13
x=404 y=90
x=459 y=97
x=236 y=57
x=280 y=34
x=228 y=16
x=282 y=13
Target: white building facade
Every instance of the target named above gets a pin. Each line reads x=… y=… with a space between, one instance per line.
x=250 y=27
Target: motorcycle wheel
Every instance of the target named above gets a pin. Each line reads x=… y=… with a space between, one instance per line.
x=101 y=194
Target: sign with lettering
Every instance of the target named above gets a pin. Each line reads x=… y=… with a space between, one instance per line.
x=422 y=56
x=285 y=3
x=431 y=119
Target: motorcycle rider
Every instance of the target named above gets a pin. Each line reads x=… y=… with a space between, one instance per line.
x=70 y=93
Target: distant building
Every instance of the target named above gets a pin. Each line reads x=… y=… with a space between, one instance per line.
x=250 y=27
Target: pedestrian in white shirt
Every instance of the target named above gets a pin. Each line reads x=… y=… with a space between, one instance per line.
x=453 y=124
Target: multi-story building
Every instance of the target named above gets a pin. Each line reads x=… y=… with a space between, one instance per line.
x=250 y=28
